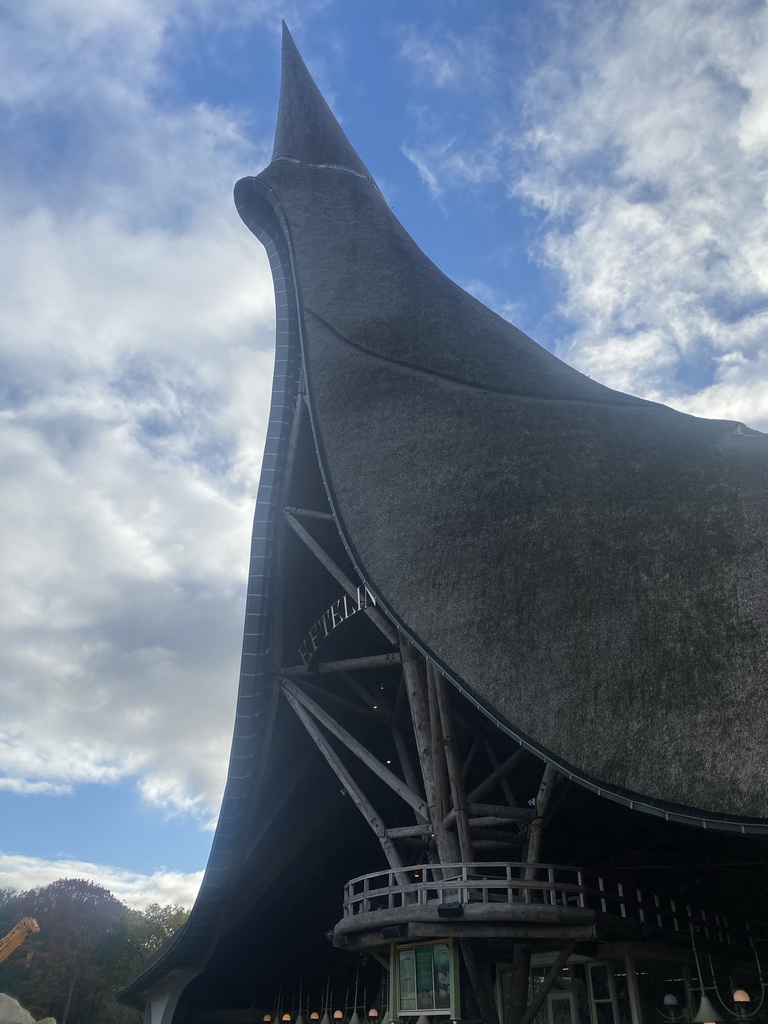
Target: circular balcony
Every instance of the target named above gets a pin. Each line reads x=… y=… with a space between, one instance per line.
x=510 y=900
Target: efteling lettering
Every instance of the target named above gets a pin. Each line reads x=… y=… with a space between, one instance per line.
x=333 y=617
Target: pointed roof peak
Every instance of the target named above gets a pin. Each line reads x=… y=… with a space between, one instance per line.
x=306 y=128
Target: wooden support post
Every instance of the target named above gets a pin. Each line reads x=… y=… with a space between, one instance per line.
x=455 y=777
x=552 y=975
x=356 y=794
x=400 y=699
x=415 y=684
x=341 y=577
x=482 y=990
x=436 y=748
x=548 y=780
x=406 y=765
x=521 y=964
x=518 y=984
x=354 y=746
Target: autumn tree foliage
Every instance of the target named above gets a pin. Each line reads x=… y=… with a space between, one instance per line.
x=89 y=946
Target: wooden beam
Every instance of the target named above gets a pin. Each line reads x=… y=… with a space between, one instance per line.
x=367 y=941
x=499 y=773
x=494 y=844
x=356 y=794
x=408 y=831
x=502 y=811
x=340 y=576
x=359 y=709
x=489 y=821
x=362 y=691
x=355 y=747
x=309 y=513
x=552 y=975
x=471 y=755
x=508 y=838
x=521 y=814
x=348 y=665
x=505 y=787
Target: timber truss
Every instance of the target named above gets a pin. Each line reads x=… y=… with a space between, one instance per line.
x=457 y=807
x=437 y=784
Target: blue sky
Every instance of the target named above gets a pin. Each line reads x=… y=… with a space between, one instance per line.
x=595 y=170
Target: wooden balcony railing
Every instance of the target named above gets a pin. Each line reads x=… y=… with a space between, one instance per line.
x=539 y=885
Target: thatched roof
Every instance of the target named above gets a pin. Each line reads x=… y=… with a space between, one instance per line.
x=589 y=565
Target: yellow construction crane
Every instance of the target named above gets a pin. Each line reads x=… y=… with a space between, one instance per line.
x=16 y=936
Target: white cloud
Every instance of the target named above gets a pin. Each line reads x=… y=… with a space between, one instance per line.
x=136 y=347
x=647 y=155
x=133 y=888
x=24 y=787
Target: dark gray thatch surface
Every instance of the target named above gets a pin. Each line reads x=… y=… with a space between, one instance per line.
x=589 y=564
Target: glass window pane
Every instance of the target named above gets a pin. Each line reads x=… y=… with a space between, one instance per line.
x=604 y=1013
x=561 y=1010
x=657 y=979
x=601 y=988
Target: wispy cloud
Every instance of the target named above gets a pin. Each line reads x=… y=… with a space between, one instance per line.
x=135 y=889
x=647 y=153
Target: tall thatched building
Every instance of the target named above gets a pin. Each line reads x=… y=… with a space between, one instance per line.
x=500 y=749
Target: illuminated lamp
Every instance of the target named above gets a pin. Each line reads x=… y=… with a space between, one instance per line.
x=707 y=1013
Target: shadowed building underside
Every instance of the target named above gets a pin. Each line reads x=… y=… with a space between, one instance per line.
x=539 y=569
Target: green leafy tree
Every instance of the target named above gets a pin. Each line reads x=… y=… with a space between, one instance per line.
x=89 y=946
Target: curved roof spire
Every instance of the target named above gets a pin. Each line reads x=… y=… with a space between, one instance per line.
x=306 y=129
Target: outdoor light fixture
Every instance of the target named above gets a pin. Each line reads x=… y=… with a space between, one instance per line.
x=707 y=1013
x=672 y=1011
x=741 y=998
x=314 y=1015
x=338 y=1015
x=373 y=1012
